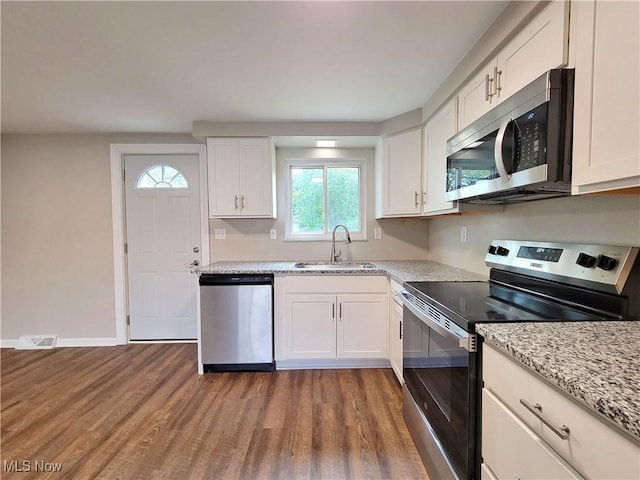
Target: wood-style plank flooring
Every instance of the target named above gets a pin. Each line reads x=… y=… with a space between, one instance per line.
x=142 y=412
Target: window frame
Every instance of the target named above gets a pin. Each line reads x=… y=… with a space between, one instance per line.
x=325 y=163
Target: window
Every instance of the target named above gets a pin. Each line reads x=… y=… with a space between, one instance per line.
x=161 y=176
x=322 y=194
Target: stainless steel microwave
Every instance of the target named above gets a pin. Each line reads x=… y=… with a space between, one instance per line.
x=520 y=150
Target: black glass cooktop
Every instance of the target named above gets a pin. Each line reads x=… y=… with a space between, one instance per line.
x=484 y=302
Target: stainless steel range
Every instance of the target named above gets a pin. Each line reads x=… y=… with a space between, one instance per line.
x=528 y=282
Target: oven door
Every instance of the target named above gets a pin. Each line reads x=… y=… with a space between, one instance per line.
x=439 y=373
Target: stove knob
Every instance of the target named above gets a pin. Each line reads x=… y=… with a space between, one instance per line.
x=606 y=263
x=492 y=249
x=503 y=252
x=586 y=260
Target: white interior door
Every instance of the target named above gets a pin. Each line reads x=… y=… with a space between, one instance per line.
x=162 y=201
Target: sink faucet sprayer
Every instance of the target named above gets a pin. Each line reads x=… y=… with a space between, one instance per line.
x=335 y=256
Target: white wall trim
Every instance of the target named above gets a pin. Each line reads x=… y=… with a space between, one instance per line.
x=118 y=150
x=322 y=363
x=70 y=342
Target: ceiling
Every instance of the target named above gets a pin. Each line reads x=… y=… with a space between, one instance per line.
x=70 y=67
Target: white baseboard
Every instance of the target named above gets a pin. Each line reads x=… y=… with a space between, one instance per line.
x=332 y=363
x=69 y=342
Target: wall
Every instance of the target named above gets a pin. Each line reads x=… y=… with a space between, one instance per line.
x=249 y=239
x=606 y=219
x=57 y=253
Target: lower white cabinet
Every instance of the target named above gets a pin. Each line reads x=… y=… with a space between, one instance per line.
x=395 y=328
x=343 y=326
x=571 y=442
x=510 y=449
x=332 y=317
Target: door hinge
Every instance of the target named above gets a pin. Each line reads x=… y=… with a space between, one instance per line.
x=123 y=175
x=128 y=320
x=126 y=248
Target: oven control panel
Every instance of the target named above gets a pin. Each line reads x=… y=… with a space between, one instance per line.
x=604 y=267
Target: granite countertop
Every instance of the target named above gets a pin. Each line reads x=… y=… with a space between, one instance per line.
x=399 y=270
x=596 y=363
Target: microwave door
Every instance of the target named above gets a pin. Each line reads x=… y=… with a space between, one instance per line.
x=471 y=168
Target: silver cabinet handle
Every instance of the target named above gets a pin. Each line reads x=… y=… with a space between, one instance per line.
x=487 y=87
x=242 y=202
x=562 y=432
x=333 y=310
x=340 y=310
x=236 y=200
x=416 y=199
x=400 y=323
x=497 y=74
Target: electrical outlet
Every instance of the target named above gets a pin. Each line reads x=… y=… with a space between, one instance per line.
x=463 y=234
x=273 y=234
x=377 y=233
x=220 y=233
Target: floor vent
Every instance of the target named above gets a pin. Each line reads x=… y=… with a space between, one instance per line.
x=36 y=342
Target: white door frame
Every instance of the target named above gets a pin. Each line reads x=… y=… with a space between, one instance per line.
x=118 y=150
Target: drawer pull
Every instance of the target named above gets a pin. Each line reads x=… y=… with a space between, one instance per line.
x=562 y=432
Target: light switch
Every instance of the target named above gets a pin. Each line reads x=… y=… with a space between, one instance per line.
x=463 y=234
x=220 y=233
x=273 y=234
x=377 y=233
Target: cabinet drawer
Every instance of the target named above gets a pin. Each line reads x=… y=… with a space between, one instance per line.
x=593 y=448
x=337 y=284
x=513 y=450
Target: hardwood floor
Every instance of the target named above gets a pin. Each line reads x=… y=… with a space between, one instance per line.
x=142 y=412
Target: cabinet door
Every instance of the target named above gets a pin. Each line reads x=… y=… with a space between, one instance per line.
x=512 y=450
x=256 y=177
x=401 y=174
x=540 y=46
x=362 y=326
x=223 y=175
x=606 y=146
x=436 y=133
x=395 y=338
x=475 y=97
x=311 y=326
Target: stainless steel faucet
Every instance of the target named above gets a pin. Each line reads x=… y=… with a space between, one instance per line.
x=335 y=256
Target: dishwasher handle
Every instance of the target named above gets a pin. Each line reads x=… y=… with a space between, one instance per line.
x=207 y=279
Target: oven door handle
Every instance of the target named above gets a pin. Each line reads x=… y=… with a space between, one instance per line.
x=462 y=338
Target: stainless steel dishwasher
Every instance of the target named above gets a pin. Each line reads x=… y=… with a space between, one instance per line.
x=236 y=314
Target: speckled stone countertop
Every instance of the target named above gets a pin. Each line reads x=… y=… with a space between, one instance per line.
x=596 y=363
x=399 y=270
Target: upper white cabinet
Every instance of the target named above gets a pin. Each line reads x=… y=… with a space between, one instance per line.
x=400 y=173
x=540 y=46
x=606 y=144
x=241 y=173
x=442 y=126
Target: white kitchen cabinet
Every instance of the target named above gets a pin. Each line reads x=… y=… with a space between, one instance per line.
x=311 y=326
x=540 y=46
x=510 y=449
x=333 y=317
x=400 y=173
x=511 y=432
x=606 y=145
x=442 y=126
x=342 y=326
x=395 y=328
x=241 y=174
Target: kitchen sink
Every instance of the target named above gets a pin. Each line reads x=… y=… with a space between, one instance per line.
x=335 y=265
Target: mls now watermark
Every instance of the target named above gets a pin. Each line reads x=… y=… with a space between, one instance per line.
x=31 y=466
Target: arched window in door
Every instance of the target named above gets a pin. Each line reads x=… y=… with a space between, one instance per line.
x=162 y=176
